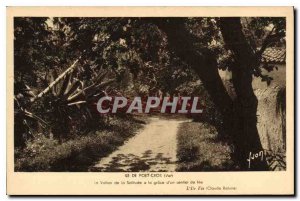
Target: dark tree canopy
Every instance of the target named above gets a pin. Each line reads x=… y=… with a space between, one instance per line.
x=141 y=56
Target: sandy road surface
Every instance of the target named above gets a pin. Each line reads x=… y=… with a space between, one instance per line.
x=152 y=149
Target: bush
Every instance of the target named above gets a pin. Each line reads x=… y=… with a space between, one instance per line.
x=43 y=154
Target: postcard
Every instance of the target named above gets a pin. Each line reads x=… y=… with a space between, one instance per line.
x=150 y=101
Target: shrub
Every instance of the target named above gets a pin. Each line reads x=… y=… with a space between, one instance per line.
x=43 y=154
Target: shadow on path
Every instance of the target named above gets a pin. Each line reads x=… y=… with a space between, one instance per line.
x=148 y=161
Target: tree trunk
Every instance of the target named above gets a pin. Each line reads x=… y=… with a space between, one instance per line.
x=202 y=61
x=239 y=115
x=245 y=132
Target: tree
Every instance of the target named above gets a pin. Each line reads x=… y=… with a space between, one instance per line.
x=143 y=55
x=239 y=113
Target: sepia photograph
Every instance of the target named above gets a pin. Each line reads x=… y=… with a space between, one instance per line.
x=151 y=97
x=148 y=73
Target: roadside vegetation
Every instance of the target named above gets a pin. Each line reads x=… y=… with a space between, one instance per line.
x=44 y=154
x=202 y=151
x=64 y=65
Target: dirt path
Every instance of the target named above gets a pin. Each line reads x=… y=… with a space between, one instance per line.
x=152 y=149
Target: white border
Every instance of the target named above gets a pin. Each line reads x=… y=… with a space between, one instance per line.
x=5 y=3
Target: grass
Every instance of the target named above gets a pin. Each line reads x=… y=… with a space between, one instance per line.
x=199 y=149
x=78 y=154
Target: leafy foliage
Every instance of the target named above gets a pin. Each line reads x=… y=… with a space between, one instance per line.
x=63 y=65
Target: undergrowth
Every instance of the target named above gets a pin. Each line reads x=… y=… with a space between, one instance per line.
x=44 y=154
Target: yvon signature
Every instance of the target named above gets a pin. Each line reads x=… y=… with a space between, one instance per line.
x=255 y=156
